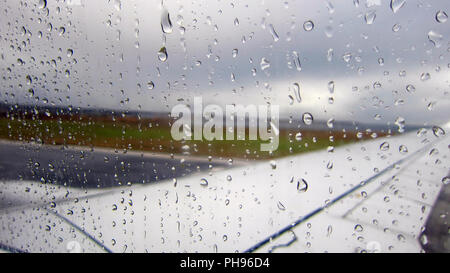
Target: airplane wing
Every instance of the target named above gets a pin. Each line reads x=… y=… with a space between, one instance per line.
x=370 y=196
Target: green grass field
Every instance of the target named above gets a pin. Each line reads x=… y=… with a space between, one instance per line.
x=144 y=135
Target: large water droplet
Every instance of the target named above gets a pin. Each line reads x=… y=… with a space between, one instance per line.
x=308 y=25
x=435 y=38
x=297 y=92
x=307 y=118
x=370 y=17
x=302 y=185
x=42 y=4
x=397 y=4
x=162 y=54
x=166 y=24
x=441 y=16
x=446 y=180
x=438 y=131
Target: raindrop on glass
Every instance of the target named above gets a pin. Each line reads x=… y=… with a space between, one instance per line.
x=203 y=182
x=264 y=64
x=166 y=24
x=273 y=33
x=438 y=131
x=42 y=4
x=307 y=118
x=369 y=17
x=302 y=185
x=384 y=146
x=331 y=87
x=162 y=54
x=396 y=5
x=308 y=25
x=441 y=16
x=435 y=38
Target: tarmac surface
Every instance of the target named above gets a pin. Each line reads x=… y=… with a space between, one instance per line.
x=98 y=168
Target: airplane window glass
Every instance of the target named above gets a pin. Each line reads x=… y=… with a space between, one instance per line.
x=224 y=126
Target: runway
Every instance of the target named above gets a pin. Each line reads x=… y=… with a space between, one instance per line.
x=97 y=168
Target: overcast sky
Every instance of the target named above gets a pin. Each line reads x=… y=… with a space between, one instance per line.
x=115 y=55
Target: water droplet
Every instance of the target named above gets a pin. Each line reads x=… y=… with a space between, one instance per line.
x=425 y=76
x=281 y=206
x=358 y=228
x=347 y=57
x=438 y=131
x=330 y=53
x=296 y=61
x=410 y=88
x=273 y=33
x=446 y=180
x=403 y=149
x=150 y=85
x=297 y=92
x=264 y=64
x=384 y=146
x=424 y=239
x=29 y=80
x=331 y=87
x=166 y=24
x=441 y=16
x=302 y=185
x=308 y=25
x=397 y=4
x=307 y=118
x=204 y=182
x=42 y=4
x=369 y=17
x=234 y=53
x=298 y=137
x=396 y=27
x=273 y=164
x=118 y=5
x=435 y=38
x=329 y=230
x=330 y=165
x=162 y=54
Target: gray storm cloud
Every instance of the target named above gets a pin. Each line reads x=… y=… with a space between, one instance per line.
x=242 y=52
